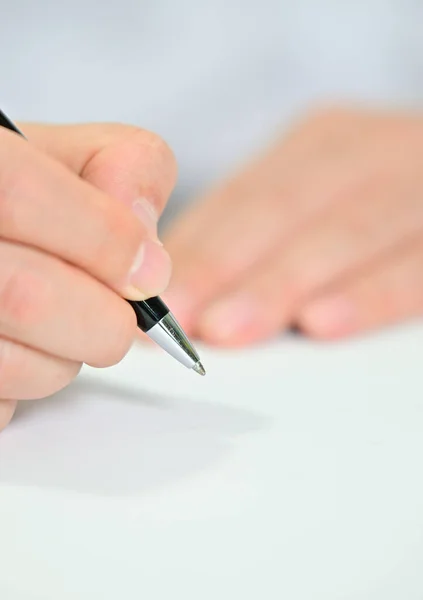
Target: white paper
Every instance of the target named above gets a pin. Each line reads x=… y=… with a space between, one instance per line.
x=290 y=471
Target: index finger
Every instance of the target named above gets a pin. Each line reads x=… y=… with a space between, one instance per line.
x=44 y=205
x=124 y=161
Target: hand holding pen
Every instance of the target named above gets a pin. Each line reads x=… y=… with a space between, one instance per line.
x=71 y=248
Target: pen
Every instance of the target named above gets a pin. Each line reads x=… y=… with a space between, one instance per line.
x=153 y=316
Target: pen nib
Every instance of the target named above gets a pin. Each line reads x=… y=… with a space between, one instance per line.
x=198 y=368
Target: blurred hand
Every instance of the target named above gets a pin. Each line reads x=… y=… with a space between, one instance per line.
x=324 y=232
x=78 y=213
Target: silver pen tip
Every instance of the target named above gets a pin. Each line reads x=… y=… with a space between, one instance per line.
x=198 y=368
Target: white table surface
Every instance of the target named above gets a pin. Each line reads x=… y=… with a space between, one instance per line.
x=293 y=471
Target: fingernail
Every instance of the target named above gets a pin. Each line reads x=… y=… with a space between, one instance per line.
x=330 y=316
x=147 y=214
x=150 y=272
x=227 y=320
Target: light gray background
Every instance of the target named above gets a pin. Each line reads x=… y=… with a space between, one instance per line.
x=216 y=79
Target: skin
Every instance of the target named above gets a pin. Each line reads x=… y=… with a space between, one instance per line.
x=78 y=214
x=323 y=232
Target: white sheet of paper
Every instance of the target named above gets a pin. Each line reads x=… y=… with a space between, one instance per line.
x=292 y=471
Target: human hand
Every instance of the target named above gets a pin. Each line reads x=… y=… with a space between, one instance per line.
x=323 y=232
x=71 y=246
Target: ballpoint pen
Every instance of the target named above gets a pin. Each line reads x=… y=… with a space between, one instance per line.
x=153 y=316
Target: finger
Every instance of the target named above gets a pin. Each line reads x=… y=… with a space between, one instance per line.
x=227 y=235
x=43 y=204
x=27 y=374
x=275 y=179
x=7 y=408
x=341 y=240
x=390 y=291
x=52 y=306
x=335 y=153
x=128 y=163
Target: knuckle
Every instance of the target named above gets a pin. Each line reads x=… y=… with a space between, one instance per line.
x=142 y=152
x=154 y=148
x=163 y=151
x=151 y=140
x=110 y=132
x=25 y=297
x=135 y=137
